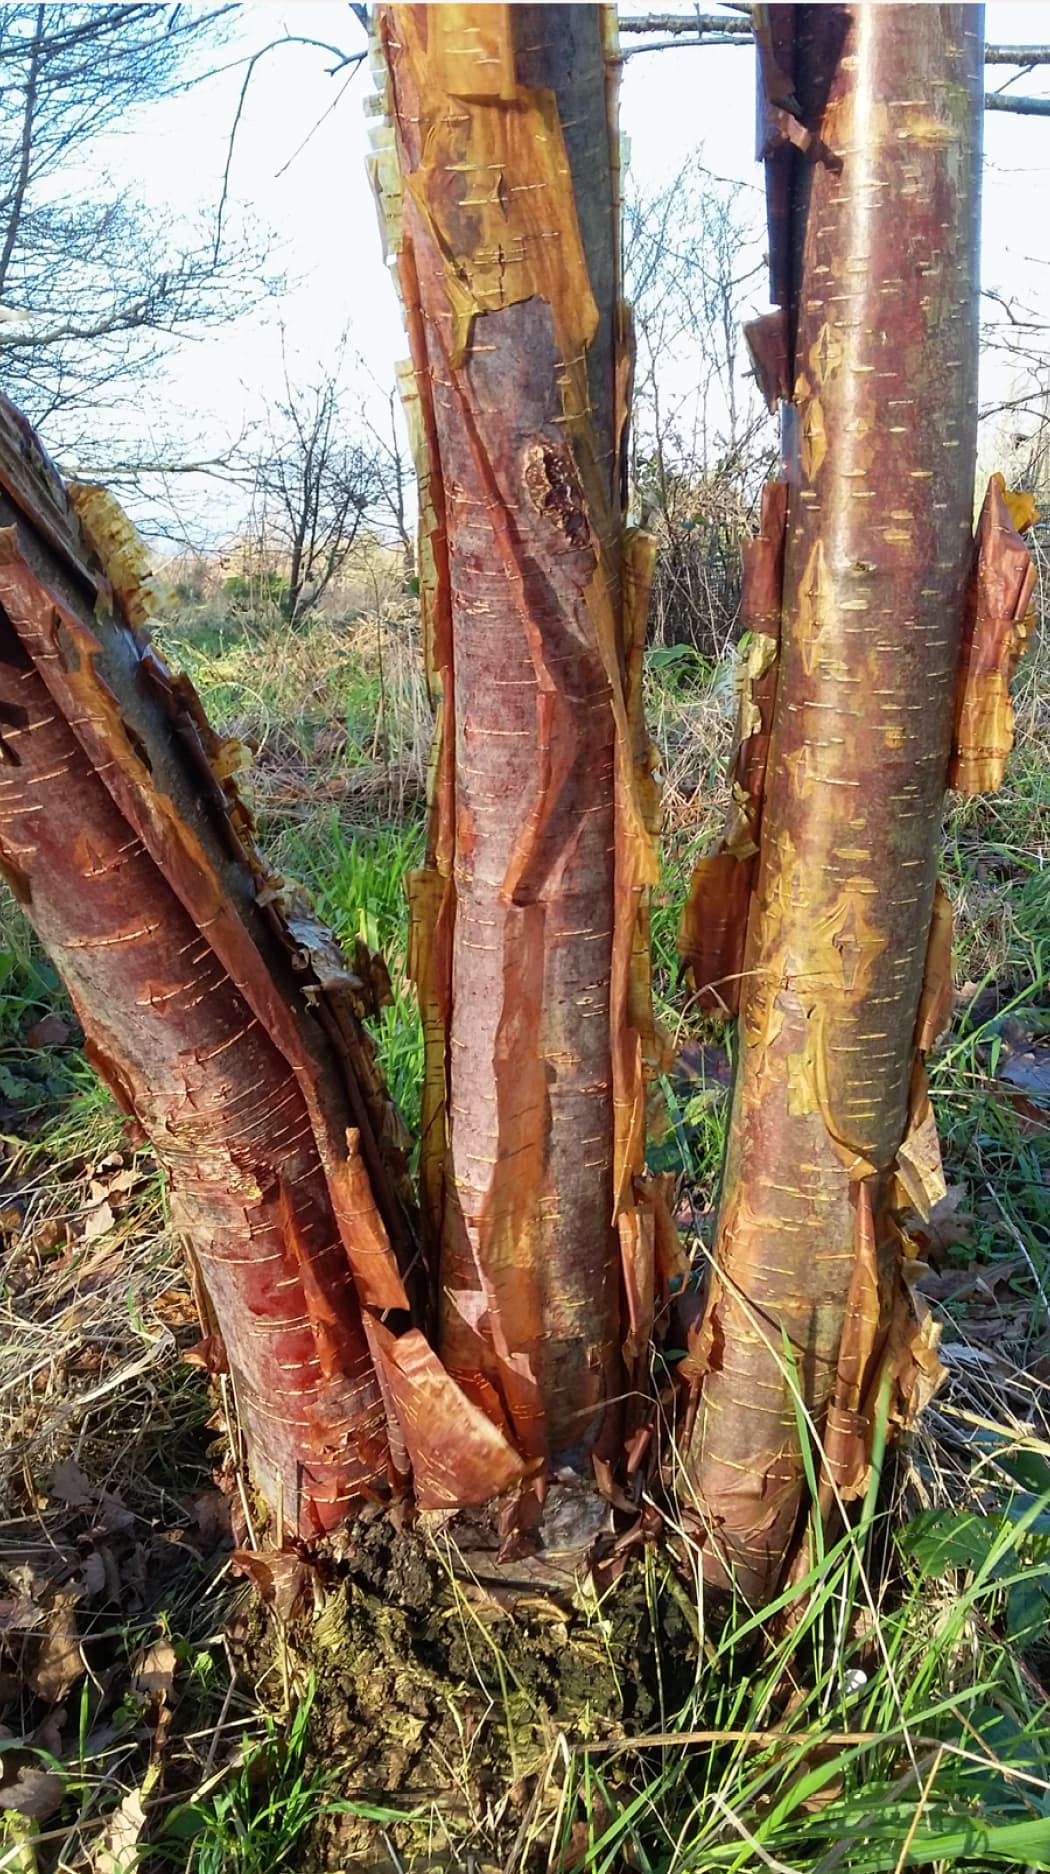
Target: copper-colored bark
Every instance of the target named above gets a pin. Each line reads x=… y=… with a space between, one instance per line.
x=216 y=1008
x=830 y=1125
x=713 y=924
x=529 y=947
x=999 y=624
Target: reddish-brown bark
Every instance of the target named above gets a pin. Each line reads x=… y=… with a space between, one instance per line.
x=714 y=917
x=999 y=623
x=220 y=1014
x=529 y=949
x=830 y=1127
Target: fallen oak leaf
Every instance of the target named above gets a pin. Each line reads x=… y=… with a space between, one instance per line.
x=59 y=1662
x=209 y=1353
x=19 y=1613
x=1033 y=1117
x=93 y=1573
x=153 y=1678
x=118 y=1851
x=113 y=1515
x=176 y=1308
x=98 y=1220
x=210 y=1514
x=124 y=1181
x=27 y=1786
x=953 y=1284
x=70 y=1486
x=153 y=1671
x=948 y=1223
x=1027 y=1069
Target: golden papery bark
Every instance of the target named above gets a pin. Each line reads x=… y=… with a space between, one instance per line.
x=873 y=132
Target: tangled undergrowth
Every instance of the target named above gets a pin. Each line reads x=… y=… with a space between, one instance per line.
x=169 y=1699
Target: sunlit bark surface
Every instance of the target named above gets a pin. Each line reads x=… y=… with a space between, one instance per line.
x=873 y=117
x=231 y=1032
x=529 y=943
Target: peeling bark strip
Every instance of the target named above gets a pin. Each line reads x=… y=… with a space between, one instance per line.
x=830 y=1126
x=215 y=1007
x=498 y=188
x=713 y=925
x=999 y=624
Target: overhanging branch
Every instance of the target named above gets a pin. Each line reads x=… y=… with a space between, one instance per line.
x=1021 y=107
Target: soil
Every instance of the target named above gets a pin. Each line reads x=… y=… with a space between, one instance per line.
x=454 y=1692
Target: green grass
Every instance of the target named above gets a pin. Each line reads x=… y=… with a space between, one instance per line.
x=254 y=1821
x=909 y=1718
x=356 y=880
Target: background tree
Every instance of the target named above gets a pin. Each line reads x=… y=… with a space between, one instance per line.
x=701 y=437
x=315 y=487
x=94 y=290
x=394 y=475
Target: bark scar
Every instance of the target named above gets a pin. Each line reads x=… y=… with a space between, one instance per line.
x=553 y=487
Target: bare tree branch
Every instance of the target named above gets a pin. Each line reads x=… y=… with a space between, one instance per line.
x=1017 y=55
x=690 y=25
x=99 y=287
x=28 y=115
x=723 y=29
x=1021 y=107
x=342 y=58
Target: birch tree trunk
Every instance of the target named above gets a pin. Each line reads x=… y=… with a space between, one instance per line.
x=872 y=118
x=530 y=952
x=223 y=1017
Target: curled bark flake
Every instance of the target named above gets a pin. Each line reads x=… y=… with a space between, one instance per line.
x=458 y=1456
x=768 y=343
x=1000 y=622
x=919 y=1172
x=847 y=1431
x=936 y=1001
x=118 y=549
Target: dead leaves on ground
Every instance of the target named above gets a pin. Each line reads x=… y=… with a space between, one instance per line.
x=73 y=1583
x=1024 y=1058
x=104 y=1193
x=1012 y=1049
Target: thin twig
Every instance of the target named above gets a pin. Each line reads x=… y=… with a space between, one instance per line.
x=913 y=1826
x=740 y=1828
